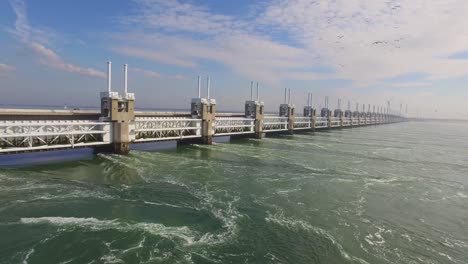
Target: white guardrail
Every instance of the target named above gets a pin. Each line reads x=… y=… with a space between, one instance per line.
x=346 y=122
x=302 y=122
x=224 y=126
x=335 y=122
x=52 y=134
x=275 y=123
x=146 y=129
x=321 y=122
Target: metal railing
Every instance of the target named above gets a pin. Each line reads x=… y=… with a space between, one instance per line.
x=346 y=122
x=302 y=122
x=335 y=122
x=275 y=123
x=321 y=122
x=165 y=128
x=224 y=126
x=19 y=136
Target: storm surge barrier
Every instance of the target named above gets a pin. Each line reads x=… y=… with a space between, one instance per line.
x=118 y=125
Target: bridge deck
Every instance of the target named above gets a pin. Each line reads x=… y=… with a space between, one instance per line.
x=24 y=130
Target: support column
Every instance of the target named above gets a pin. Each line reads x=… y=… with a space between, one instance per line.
x=310 y=112
x=339 y=115
x=205 y=109
x=255 y=110
x=329 y=119
x=287 y=110
x=120 y=111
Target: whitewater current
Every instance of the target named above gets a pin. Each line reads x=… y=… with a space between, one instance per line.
x=386 y=194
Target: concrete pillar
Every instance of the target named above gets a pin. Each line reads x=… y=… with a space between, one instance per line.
x=205 y=109
x=288 y=110
x=329 y=118
x=339 y=114
x=255 y=110
x=310 y=112
x=120 y=110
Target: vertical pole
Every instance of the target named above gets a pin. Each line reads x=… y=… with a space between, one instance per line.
x=285 y=95
x=258 y=93
x=125 y=78
x=199 y=86
x=251 y=91
x=109 y=77
x=208 y=86
x=289 y=95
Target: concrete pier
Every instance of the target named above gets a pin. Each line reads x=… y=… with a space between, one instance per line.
x=205 y=109
x=255 y=110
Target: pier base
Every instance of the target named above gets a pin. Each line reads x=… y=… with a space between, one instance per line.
x=119 y=110
x=205 y=109
x=121 y=137
x=254 y=109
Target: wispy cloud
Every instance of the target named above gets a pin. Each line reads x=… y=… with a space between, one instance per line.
x=6 y=68
x=51 y=59
x=158 y=56
x=175 y=16
x=188 y=35
x=34 y=40
x=154 y=74
x=375 y=40
x=363 y=41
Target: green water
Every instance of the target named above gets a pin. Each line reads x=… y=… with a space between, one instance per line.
x=388 y=194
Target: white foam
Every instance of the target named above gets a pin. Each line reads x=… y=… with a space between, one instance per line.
x=111 y=259
x=183 y=232
x=450 y=242
x=445 y=255
x=139 y=245
x=376 y=239
x=30 y=252
x=67 y=261
x=285 y=192
x=407 y=237
x=299 y=224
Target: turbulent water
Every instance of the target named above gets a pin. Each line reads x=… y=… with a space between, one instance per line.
x=387 y=194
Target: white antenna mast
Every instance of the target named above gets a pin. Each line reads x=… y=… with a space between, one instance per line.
x=109 y=77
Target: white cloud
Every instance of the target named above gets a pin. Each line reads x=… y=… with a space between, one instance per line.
x=6 y=68
x=51 y=59
x=154 y=55
x=34 y=40
x=185 y=35
x=375 y=40
x=154 y=74
x=176 y=16
x=364 y=41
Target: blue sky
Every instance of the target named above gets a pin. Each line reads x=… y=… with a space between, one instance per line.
x=415 y=53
